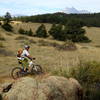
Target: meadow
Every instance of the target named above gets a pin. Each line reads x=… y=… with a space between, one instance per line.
x=49 y=57
x=82 y=62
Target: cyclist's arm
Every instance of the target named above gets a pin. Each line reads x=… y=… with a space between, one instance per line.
x=28 y=56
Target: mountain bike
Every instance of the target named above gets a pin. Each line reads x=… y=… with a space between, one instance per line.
x=18 y=72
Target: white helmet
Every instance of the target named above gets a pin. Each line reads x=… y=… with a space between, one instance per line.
x=26 y=46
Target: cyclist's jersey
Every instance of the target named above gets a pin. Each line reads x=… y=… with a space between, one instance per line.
x=25 y=53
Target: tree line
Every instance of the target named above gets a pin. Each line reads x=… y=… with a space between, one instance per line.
x=72 y=30
x=63 y=18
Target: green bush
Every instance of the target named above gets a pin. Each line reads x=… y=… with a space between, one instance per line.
x=88 y=74
x=21 y=31
x=30 y=33
x=7 y=27
x=24 y=32
x=57 y=32
x=64 y=47
x=71 y=31
x=41 y=31
x=68 y=45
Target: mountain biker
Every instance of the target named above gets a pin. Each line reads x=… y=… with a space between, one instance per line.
x=24 y=58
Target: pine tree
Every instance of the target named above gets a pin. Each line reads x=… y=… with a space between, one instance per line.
x=6 y=25
x=30 y=33
x=74 y=31
x=7 y=18
x=21 y=31
x=57 y=32
x=41 y=31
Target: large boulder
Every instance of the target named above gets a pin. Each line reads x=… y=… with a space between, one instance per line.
x=48 y=88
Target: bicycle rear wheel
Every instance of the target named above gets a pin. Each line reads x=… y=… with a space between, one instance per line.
x=16 y=72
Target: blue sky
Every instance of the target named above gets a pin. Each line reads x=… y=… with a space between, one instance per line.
x=32 y=7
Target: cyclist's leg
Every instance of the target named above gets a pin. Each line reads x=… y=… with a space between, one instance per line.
x=25 y=64
x=30 y=66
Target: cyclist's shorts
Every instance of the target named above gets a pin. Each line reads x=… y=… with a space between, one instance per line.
x=25 y=63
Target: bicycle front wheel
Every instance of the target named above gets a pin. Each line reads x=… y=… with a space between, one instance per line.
x=37 y=69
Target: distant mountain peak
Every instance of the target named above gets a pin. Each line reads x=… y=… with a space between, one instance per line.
x=73 y=10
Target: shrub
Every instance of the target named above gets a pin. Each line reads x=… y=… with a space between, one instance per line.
x=67 y=46
x=24 y=32
x=7 y=27
x=73 y=31
x=57 y=32
x=60 y=72
x=41 y=31
x=88 y=74
x=30 y=33
x=21 y=31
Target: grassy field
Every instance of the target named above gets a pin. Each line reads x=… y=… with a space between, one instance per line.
x=47 y=56
x=27 y=26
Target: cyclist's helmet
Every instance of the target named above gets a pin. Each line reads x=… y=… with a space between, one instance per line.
x=26 y=46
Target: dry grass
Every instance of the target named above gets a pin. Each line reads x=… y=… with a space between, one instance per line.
x=2 y=38
x=1 y=45
x=94 y=34
x=27 y=26
x=47 y=56
x=21 y=38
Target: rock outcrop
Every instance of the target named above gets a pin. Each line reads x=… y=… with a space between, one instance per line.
x=49 y=88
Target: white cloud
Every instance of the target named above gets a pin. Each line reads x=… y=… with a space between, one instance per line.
x=42 y=6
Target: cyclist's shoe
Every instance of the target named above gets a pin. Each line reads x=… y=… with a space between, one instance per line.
x=26 y=69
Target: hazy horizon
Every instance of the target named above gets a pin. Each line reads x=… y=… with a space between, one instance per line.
x=32 y=7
